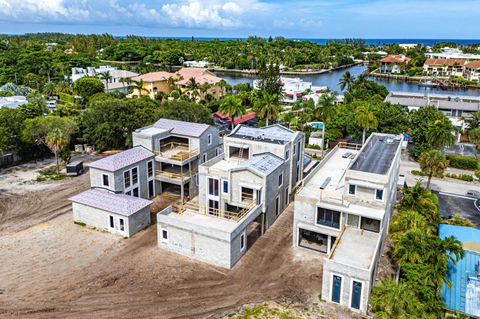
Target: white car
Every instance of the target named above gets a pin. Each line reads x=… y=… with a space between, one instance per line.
x=473 y=193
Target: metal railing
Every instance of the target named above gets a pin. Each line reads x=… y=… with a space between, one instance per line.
x=176 y=151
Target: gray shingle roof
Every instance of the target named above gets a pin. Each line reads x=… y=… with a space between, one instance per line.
x=264 y=163
x=115 y=203
x=123 y=159
x=181 y=128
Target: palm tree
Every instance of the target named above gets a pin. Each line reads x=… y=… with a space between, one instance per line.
x=346 y=81
x=366 y=119
x=326 y=110
x=267 y=106
x=105 y=76
x=440 y=134
x=474 y=135
x=124 y=80
x=49 y=88
x=472 y=122
x=204 y=90
x=233 y=107
x=171 y=83
x=405 y=220
x=433 y=163
x=56 y=140
x=138 y=85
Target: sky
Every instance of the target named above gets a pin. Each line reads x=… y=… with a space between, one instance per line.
x=421 y=19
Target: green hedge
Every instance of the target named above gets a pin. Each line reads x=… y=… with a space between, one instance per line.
x=463 y=177
x=463 y=162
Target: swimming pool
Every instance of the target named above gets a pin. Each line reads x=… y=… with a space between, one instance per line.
x=317 y=125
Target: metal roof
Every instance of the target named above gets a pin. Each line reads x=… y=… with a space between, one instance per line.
x=441 y=101
x=465 y=289
x=115 y=203
x=123 y=159
x=377 y=154
x=273 y=133
x=264 y=163
x=181 y=127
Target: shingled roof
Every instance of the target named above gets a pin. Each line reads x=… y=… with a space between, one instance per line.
x=115 y=203
x=395 y=58
x=473 y=65
x=449 y=62
x=181 y=127
x=123 y=159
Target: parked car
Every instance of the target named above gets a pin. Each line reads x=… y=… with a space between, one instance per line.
x=474 y=193
x=75 y=168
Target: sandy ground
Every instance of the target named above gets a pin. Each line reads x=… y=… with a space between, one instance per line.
x=52 y=268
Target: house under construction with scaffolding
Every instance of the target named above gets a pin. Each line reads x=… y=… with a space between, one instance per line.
x=241 y=193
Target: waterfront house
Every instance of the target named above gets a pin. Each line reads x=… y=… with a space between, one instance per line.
x=342 y=213
x=394 y=64
x=153 y=83
x=295 y=89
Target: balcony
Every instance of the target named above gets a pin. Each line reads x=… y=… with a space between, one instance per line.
x=177 y=152
x=174 y=175
x=235 y=216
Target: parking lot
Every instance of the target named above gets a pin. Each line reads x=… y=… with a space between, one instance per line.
x=467 y=207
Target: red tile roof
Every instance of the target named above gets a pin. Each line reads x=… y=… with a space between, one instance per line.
x=395 y=58
x=449 y=62
x=154 y=76
x=238 y=120
x=200 y=75
x=473 y=65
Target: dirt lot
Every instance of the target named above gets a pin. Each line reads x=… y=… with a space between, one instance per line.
x=52 y=268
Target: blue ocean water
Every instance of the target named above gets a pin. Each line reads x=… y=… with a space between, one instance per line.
x=426 y=42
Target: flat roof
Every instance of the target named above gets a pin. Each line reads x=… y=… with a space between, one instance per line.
x=333 y=167
x=115 y=203
x=377 y=155
x=271 y=134
x=356 y=248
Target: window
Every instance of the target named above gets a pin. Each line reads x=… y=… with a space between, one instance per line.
x=294 y=150
x=213 y=186
x=209 y=139
x=135 y=192
x=164 y=234
x=259 y=197
x=286 y=197
x=287 y=154
x=356 y=294
x=379 y=194
x=242 y=242
x=225 y=187
x=112 y=221
x=298 y=172
x=336 y=288
x=370 y=224
x=299 y=148
x=277 y=205
x=352 y=189
x=150 y=168
x=150 y=189
x=216 y=152
x=105 y=180
x=122 y=224
x=134 y=175
x=280 y=180
x=126 y=179
x=204 y=157
x=328 y=217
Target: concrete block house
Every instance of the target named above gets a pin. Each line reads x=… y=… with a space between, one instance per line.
x=342 y=213
x=121 y=186
x=178 y=149
x=242 y=191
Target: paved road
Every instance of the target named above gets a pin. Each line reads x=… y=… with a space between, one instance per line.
x=466 y=207
x=441 y=185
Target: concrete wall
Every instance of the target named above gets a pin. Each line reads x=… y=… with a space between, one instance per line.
x=99 y=219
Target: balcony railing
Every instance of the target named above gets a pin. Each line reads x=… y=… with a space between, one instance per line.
x=175 y=175
x=217 y=213
x=334 y=198
x=176 y=151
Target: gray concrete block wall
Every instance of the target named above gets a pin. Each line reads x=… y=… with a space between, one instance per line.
x=99 y=219
x=96 y=179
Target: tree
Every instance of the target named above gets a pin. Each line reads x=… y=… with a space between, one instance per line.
x=346 y=81
x=88 y=86
x=472 y=121
x=105 y=76
x=52 y=131
x=440 y=134
x=326 y=110
x=11 y=124
x=267 y=106
x=232 y=106
x=36 y=106
x=406 y=220
x=459 y=221
x=365 y=118
x=269 y=77
x=474 y=135
x=433 y=163
x=138 y=85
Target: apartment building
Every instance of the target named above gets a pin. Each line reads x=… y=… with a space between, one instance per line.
x=179 y=148
x=241 y=194
x=472 y=71
x=342 y=213
x=444 y=67
x=121 y=186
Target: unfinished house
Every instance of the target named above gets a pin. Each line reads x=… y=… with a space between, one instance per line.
x=241 y=194
x=343 y=212
x=179 y=148
x=118 y=200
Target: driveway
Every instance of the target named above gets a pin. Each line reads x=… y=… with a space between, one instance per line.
x=466 y=207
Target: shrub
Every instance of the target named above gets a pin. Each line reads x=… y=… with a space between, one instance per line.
x=463 y=177
x=50 y=176
x=418 y=173
x=463 y=162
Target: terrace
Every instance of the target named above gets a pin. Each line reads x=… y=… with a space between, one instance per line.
x=177 y=152
x=174 y=173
